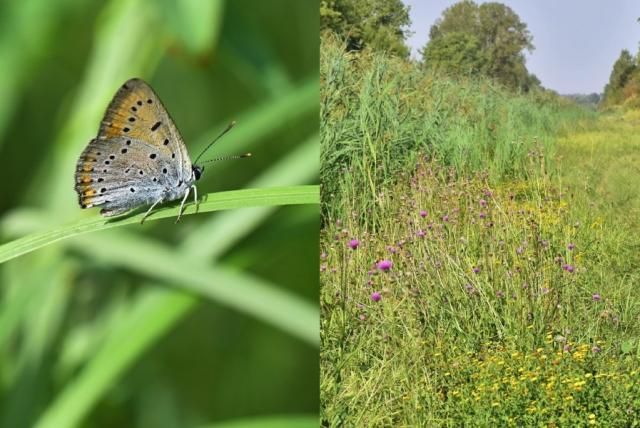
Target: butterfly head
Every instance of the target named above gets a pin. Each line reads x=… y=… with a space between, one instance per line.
x=197 y=171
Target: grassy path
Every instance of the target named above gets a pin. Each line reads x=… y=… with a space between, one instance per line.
x=602 y=164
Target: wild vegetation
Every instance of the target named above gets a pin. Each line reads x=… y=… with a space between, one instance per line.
x=379 y=112
x=478 y=255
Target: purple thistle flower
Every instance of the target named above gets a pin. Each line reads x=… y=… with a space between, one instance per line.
x=376 y=296
x=482 y=215
x=596 y=297
x=421 y=233
x=567 y=267
x=423 y=213
x=571 y=246
x=353 y=244
x=384 y=265
x=445 y=218
x=476 y=270
x=483 y=203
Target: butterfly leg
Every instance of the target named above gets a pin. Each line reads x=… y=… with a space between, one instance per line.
x=195 y=196
x=186 y=194
x=150 y=209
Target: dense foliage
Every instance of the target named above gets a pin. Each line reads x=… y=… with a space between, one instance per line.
x=376 y=24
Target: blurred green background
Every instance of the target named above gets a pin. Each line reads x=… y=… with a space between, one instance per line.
x=118 y=328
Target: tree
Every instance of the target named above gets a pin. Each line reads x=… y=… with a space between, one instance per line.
x=377 y=24
x=623 y=69
x=497 y=31
x=455 y=53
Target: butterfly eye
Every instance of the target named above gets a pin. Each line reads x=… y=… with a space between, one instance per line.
x=197 y=172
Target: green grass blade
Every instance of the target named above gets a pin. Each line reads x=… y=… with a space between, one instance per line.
x=268 y=117
x=284 y=421
x=241 y=291
x=194 y=24
x=299 y=166
x=157 y=308
x=212 y=202
x=161 y=308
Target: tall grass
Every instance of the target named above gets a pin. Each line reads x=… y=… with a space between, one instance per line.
x=377 y=112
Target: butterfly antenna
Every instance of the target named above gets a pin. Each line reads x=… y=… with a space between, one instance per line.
x=227 y=129
x=245 y=155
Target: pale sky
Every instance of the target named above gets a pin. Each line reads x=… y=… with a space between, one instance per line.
x=576 y=41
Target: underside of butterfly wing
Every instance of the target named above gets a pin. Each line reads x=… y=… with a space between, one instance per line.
x=137 y=112
x=138 y=157
x=120 y=174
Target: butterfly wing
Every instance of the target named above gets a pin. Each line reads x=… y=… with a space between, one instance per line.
x=122 y=173
x=137 y=112
x=138 y=157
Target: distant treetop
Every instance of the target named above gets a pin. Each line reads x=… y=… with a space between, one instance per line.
x=487 y=39
x=624 y=81
x=375 y=24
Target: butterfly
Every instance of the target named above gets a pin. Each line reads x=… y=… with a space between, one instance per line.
x=138 y=157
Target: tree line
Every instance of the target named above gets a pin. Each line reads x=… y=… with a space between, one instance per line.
x=467 y=40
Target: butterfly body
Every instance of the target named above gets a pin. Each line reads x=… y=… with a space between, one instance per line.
x=138 y=158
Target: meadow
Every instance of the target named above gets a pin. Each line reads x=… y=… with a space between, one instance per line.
x=479 y=259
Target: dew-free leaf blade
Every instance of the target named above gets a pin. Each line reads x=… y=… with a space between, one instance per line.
x=276 y=196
